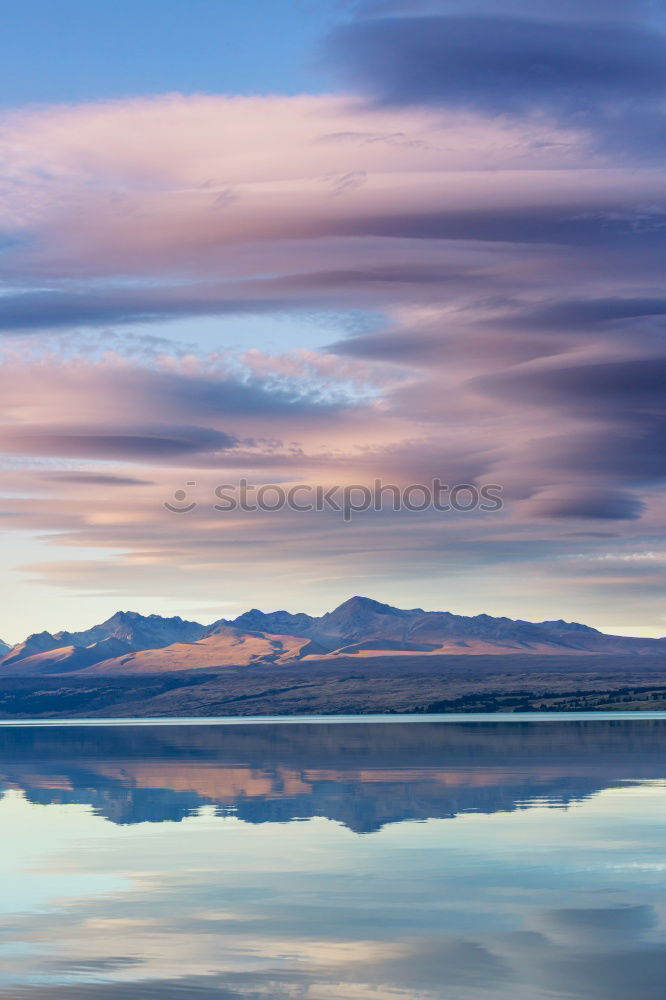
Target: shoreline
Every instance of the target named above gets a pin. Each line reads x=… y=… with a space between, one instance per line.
x=369 y=719
x=459 y=686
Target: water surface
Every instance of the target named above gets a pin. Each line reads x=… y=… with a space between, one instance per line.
x=297 y=861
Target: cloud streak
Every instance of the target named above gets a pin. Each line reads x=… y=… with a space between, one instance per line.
x=598 y=75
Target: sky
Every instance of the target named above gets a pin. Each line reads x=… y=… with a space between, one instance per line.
x=330 y=243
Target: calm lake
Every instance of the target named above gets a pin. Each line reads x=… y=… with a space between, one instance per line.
x=359 y=860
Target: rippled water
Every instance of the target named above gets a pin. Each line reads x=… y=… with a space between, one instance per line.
x=457 y=860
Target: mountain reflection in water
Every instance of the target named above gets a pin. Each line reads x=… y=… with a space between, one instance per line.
x=360 y=774
x=333 y=861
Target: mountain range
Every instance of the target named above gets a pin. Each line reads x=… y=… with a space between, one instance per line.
x=130 y=643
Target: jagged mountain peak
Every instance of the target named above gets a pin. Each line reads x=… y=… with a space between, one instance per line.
x=277 y=622
x=136 y=616
x=135 y=631
x=571 y=626
x=121 y=616
x=366 y=605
